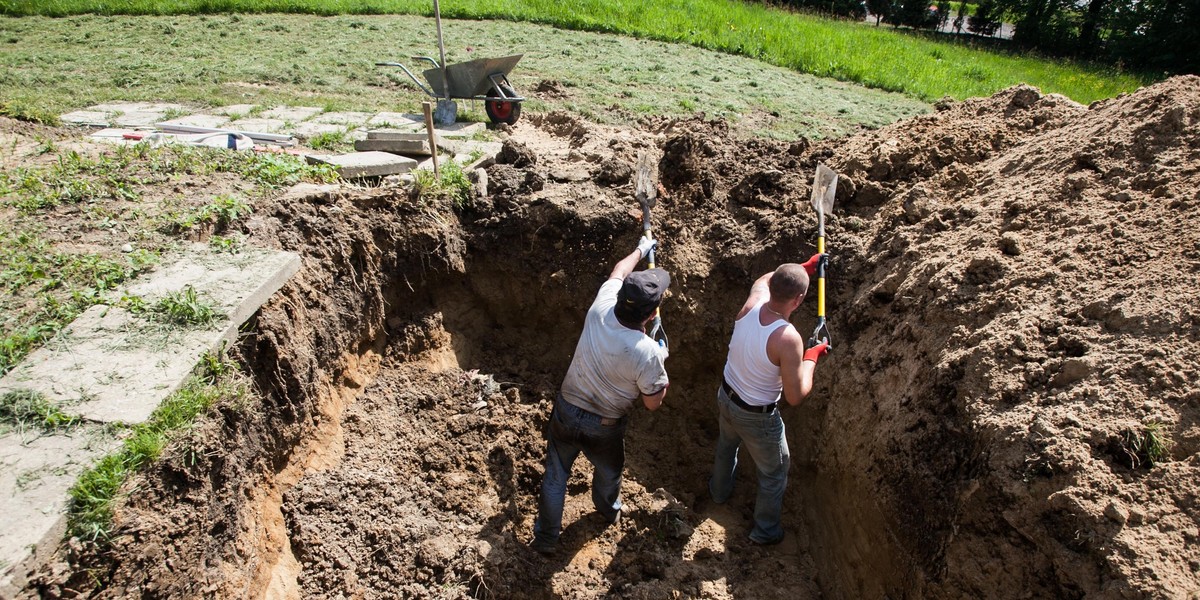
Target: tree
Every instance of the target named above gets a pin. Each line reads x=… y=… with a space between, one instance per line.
x=882 y=9
x=986 y=19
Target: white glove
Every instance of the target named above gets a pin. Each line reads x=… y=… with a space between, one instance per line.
x=662 y=349
x=646 y=244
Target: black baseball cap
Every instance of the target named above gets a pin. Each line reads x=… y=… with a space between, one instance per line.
x=642 y=291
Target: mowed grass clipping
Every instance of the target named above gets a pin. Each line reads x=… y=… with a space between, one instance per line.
x=329 y=62
x=877 y=57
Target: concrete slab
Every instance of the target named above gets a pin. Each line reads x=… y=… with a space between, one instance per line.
x=366 y=164
x=310 y=129
x=137 y=119
x=343 y=118
x=235 y=111
x=258 y=125
x=406 y=147
x=36 y=471
x=130 y=107
x=110 y=365
x=460 y=130
x=396 y=120
x=295 y=114
x=402 y=135
x=199 y=120
x=427 y=164
x=92 y=118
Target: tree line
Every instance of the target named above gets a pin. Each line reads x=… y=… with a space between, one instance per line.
x=1150 y=35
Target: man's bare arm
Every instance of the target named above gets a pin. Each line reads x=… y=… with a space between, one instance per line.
x=654 y=401
x=797 y=373
x=758 y=291
x=626 y=265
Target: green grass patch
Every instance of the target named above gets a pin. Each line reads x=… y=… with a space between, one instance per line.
x=92 y=497
x=874 y=56
x=219 y=213
x=1147 y=446
x=45 y=288
x=25 y=409
x=450 y=183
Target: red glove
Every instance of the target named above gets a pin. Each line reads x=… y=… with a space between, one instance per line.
x=811 y=264
x=816 y=351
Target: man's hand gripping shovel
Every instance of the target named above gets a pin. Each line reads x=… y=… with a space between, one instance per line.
x=647 y=196
x=824 y=190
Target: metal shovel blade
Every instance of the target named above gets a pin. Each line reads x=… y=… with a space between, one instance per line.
x=644 y=188
x=824 y=189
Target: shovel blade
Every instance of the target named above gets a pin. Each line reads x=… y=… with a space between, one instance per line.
x=824 y=189
x=644 y=189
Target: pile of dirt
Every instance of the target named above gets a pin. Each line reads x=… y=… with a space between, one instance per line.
x=1011 y=295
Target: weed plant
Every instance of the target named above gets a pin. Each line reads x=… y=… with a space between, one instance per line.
x=450 y=183
x=184 y=307
x=1147 y=446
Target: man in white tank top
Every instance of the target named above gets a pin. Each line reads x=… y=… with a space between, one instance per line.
x=766 y=359
x=615 y=365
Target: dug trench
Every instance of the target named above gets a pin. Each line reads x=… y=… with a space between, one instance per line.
x=979 y=430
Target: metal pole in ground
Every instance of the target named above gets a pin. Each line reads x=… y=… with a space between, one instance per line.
x=437 y=17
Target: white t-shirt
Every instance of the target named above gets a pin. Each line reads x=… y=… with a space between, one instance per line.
x=613 y=364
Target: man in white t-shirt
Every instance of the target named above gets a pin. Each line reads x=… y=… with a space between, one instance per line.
x=615 y=365
x=766 y=359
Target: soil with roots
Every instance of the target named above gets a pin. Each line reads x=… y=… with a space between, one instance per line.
x=1009 y=411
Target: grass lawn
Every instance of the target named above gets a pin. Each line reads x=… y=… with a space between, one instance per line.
x=877 y=57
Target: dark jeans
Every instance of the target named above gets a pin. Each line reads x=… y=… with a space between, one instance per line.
x=762 y=435
x=573 y=430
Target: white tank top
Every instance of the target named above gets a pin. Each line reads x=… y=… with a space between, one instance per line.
x=748 y=370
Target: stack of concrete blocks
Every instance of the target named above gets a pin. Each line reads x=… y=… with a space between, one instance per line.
x=399 y=151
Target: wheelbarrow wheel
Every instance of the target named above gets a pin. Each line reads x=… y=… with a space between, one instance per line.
x=502 y=111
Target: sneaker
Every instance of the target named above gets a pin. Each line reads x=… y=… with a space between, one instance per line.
x=543 y=547
x=771 y=542
x=616 y=518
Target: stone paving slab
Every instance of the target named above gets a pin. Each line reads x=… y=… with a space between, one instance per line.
x=295 y=114
x=36 y=471
x=366 y=164
x=95 y=118
x=258 y=125
x=396 y=120
x=406 y=147
x=342 y=118
x=137 y=119
x=200 y=120
x=234 y=110
x=110 y=365
x=461 y=130
x=309 y=129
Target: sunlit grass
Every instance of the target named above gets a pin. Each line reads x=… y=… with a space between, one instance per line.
x=879 y=57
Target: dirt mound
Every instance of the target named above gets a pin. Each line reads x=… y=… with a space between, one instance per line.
x=1011 y=299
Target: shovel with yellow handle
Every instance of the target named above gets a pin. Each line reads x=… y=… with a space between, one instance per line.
x=824 y=190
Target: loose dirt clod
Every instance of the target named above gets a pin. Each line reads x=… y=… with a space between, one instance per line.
x=1012 y=283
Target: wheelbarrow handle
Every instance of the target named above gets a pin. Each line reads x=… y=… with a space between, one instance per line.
x=428 y=59
x=428 y=91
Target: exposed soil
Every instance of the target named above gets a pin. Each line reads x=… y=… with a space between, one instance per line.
x=1012 y=299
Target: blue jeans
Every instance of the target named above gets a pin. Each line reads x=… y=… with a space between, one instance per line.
x=763 y=436
x=573 y=430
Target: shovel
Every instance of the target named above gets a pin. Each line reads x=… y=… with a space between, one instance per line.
x=647 y=197
x=824 y=190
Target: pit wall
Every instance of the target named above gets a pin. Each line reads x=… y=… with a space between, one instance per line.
x=511 y=300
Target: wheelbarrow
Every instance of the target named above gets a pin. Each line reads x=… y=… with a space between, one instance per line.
x=483 y=79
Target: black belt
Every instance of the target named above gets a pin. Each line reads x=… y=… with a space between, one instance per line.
x=742 y=404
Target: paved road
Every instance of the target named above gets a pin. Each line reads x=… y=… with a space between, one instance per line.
x=1005 y=31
